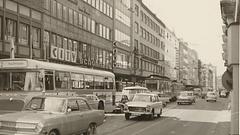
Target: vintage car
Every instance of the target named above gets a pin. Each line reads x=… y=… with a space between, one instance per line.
x=94 y=101
x=211 y=96
x=163 y=97
x=186 y=97
x=223 y=94
x=52 y=115
x=120 y=101
x=144 y=104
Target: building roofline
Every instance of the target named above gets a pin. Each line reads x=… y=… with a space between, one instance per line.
x=151 y=13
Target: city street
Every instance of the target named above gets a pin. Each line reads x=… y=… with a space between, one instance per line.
x=201 y=118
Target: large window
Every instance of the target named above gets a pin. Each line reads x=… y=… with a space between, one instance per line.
x=65 y=14
x=75 y=17
x=77 y=81
x=99 y=82
x=122 y=37
x=36 y=37
x=24 y=10
x=123 y=61
x=70 y=15
x=23 y=34
x=54 y=7
x=122 y=17
x=59 y=10
x=11 y=31
x=62 y=79
x=80 y=20
x=136 y=27
x=11 y=5
x=89 y=83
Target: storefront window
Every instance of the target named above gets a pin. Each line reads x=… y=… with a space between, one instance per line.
x=23 y=34
x=36 y=37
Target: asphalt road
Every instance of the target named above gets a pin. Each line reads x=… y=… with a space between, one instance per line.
x=201 y=118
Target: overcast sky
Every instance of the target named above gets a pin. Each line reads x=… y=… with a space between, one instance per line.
x=197 y=22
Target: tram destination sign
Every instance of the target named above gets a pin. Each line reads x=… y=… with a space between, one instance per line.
x=14 y=64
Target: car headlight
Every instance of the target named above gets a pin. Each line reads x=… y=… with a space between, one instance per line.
x=39 y=127
x=148 y=108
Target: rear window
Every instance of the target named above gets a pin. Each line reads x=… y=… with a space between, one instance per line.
x=11 y=105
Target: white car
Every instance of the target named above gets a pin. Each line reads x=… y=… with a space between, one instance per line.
x=144 y=104
x=211 y=96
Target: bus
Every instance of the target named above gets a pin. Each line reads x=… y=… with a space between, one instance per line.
x=30 y=76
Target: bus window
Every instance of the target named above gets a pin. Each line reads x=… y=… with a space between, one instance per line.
x=99 y=82
x=49 y=81
x=61 y=79
x=109 y=83
x=77 y=81
x=20 y=81
x=89 y=82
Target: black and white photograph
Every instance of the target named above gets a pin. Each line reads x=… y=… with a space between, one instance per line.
x=119 y=67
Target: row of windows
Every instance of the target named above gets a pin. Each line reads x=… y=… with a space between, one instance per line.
x=102 y=6
x=149 y=37
x=22 y=30
x=122 y=37
x=123 y=61
x=65 y=80
x=22 y=10
x=122 y=17
x=149 y=51
x=147 y=66
x=78 y=19
x=151 y=24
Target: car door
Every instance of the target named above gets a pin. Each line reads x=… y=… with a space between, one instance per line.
x=86 y=114
x=74 y=116
x=158 y=104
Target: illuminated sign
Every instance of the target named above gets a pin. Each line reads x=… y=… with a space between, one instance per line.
x=14 y=64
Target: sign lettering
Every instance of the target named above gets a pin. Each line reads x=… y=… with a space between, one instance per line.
x=14 y=64
x=54 y=52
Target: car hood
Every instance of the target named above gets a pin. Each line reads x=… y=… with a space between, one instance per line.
x=184 y=97
x=139 y=104
x=28 y=116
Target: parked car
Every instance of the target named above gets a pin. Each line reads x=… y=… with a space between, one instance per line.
x=164 y=98
x=131 y=91
x=120 y=101
x=94 y=101
x=144 y=104
x=186 y=97
x=52 y=115
x=211 y=96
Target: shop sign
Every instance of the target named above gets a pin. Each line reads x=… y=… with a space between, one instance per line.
x=63 y=54
x=14 y=64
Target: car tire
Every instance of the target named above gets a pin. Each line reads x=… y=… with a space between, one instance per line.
x=127 y=116
x=92 y=130
x=53 y=132
x=160 y=113
x=100 y=106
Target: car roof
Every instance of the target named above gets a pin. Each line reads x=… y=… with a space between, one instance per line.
x=148 y=94
x=134 y=87
x=59 y=96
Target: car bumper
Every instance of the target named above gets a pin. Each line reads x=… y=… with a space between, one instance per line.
x=137 y=113
x=7 y=132
x=184 y=101
x=212 y=99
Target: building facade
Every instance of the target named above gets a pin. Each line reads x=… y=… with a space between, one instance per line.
x=70 y=32
x=148 y=37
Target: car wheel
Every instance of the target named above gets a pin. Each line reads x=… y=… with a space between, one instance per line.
x=53 y=132
x=127 y=116
x=151 y=116
x=100 y=106
x=92 y=130
x=160 y=113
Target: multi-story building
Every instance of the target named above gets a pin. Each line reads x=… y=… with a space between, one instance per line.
x=188 y=64
x=208 y=77
x=70 y=32
x=148 y=37
x=170 y=57
x=122 y=43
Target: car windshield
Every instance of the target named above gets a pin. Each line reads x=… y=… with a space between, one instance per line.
x=49 y=104
x=186 y=94
x=11 y=105
x=142 y=98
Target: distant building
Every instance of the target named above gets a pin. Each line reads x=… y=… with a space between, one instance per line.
x=208 y=77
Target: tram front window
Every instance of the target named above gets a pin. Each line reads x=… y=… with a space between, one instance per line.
x=20 y=81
